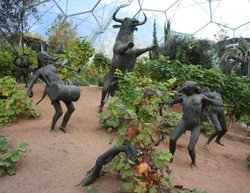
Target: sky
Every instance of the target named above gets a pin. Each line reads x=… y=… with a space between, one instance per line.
x=201 y=18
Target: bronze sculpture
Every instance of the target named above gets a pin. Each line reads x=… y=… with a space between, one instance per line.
x=192 y=102
x=107 y=157
x=23 y=64
x=218 y=120
x=124 y=56
x=55 y=89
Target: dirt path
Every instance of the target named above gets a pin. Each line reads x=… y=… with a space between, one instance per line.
x=57 y=164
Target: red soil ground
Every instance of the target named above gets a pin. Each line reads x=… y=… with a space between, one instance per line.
x=57 y=164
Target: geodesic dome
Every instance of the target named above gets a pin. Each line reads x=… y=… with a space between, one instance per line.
x=201 y=18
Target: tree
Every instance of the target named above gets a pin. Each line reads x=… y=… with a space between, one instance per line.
x=189 y=50
x=102 y=63
x=61 y=34
x=237 y=57
x=167 y=33
x=154 y=54
x=14 y=15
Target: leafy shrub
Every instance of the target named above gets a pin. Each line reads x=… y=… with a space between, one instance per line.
x=92 y=190
x=7 y=56
x=189 y=50
x=97 y=70
x=6 y=60
x=162 y=69
x=80 y=79
x=233 y=88
x=13 y=101
x=78 y=54
x=207 y=128
x=170 y=121
x=134 y=115
x=155 y=69
x=8 y=157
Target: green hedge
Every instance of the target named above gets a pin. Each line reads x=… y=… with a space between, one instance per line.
x=13 y=101
x=233 y=88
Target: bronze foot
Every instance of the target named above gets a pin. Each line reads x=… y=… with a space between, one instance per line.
x=52 y=132
x=205 y=147
x=217 y=141
x=63 y=129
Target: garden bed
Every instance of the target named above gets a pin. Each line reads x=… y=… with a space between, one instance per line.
x=57 y=164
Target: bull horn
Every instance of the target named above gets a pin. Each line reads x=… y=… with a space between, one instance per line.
x=116 y=26
x=114 y=16
x=145 y=19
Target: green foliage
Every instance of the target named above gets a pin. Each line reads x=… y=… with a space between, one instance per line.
x=207 y=128
x=13 y=101
x=189 y=50
x=154 y=69
x=161 y=70
x=8 y=157
x=30 y=52
x=80 y=79
x=92 y=189
x=96 y=71
x=131 y=99
x=154 y=54
x=7 y=67
x=170 y=121
x=16 y=15
x=61 y=33
x=167 y=32
x=34 y=41
x=101 y=61
x=78 y=54
x=245 y=119
x=134 y=115
x=6 y=60
x=233 y=88
x=236 y=57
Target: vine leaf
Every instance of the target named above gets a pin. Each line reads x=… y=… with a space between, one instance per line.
x=143 y=169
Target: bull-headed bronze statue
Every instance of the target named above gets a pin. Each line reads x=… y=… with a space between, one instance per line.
x=124 y=53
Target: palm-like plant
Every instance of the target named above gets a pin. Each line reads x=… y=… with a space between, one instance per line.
x=237 y=58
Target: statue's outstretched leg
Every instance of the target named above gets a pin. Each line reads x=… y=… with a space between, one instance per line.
x=210 y=138
x=220 y=135
x=102 y=103
x=179 y=130
x=18 y=75
x=195 y=133
x=217 y=128
x=67 y=115
x=106 y=87
x=25 y=77
x=223 y=130
x=56 y=116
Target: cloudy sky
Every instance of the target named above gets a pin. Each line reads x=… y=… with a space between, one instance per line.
x=203 y=18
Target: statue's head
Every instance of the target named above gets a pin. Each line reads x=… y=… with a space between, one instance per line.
x=189 y=87
x=128 y=23
x=44 y=59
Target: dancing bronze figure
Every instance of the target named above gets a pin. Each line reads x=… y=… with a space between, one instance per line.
x=192 y=102
x=218 y=120
x=56 y=90
x=23 y=68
